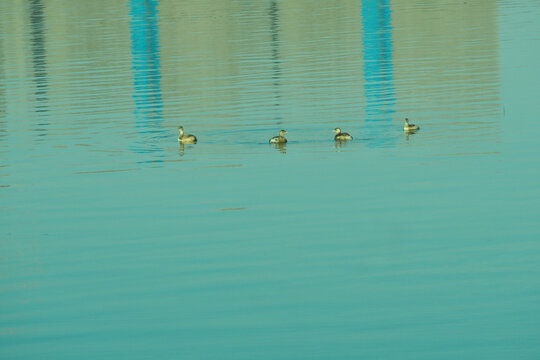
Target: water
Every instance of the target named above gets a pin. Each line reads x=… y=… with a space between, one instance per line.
x=117 y=243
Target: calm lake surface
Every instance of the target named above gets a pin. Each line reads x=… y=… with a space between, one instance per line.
x=118 y=243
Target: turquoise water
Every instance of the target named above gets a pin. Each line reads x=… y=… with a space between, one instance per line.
x=118 y=243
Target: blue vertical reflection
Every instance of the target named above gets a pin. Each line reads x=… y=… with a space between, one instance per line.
x=146 y=72
x=378 y=70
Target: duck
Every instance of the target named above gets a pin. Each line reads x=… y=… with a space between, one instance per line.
x=341 y=135
x=410 y=127
x=279 y=139
x=186 y=139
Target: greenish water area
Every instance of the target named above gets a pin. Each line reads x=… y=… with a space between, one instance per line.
x=117 y=242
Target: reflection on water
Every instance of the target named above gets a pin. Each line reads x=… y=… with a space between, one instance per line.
x=378 y=70
x=3 y=120
x=338 y=144
x=146 y=73
x=183 y=147
x=276 y=71
x=408 y=133
x=39 y=57
x=391 y=246
x=448 y=48
x=282 y=147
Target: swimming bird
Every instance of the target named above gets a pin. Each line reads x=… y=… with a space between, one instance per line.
x=341 y=136
x=186 y=139
x=410 y=127
x=279 y=139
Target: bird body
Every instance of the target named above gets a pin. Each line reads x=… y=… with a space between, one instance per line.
x=186 y=139
x=341 y=136
x=410 y=127
x=279 y=139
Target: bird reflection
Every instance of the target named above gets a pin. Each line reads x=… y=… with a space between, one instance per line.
x=282 y=147
x=341 y=143
x=408 y=132
x=184 y=147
